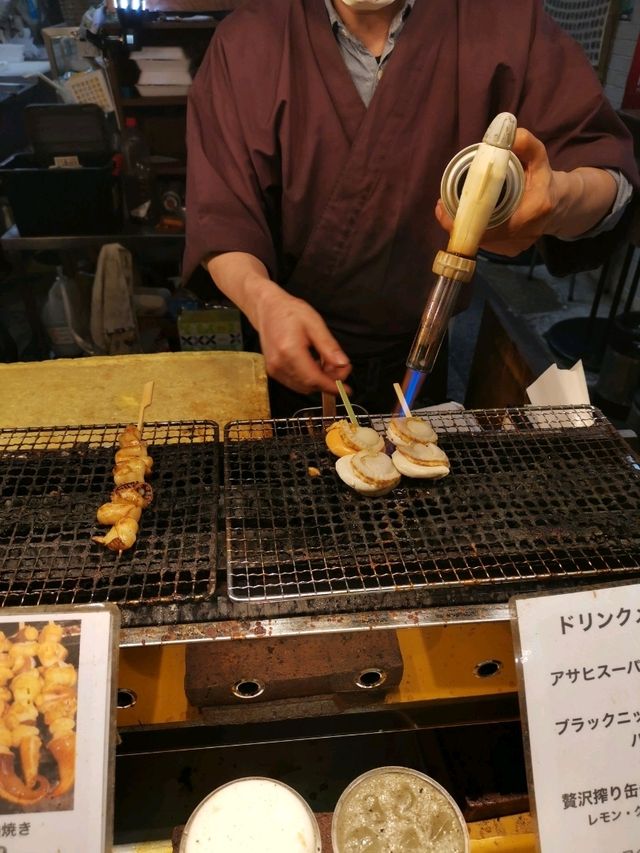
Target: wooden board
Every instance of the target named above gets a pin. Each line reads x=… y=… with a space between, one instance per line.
x=217 y=386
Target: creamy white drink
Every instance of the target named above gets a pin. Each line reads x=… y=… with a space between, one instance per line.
x=257 y=815
x=397 y=810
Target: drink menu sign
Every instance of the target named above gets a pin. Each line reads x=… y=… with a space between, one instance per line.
x=56 y=728
x=578 y=658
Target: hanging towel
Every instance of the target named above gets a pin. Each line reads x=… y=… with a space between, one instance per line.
x=114 y=327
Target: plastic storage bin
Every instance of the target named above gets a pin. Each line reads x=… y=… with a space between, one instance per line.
x=65 y=184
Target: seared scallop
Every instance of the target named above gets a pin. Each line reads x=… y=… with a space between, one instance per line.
x=421 y=460
x=369 y=472
x=403 y=431
x=344 y=438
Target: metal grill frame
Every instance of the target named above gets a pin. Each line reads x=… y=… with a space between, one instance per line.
x=290 y=536
x=53 y=479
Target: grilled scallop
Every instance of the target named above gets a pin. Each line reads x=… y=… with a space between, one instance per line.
x=404 y=431
x=344 y=438
x=421 y=460
x=369 y=472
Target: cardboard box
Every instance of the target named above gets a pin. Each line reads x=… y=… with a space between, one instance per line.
x=215 y=328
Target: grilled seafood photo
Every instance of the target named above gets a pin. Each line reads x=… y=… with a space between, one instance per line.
x=38 y=704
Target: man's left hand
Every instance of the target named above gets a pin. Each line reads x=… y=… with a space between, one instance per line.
x=564 y=204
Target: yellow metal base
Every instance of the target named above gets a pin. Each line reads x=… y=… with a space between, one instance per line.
x=155 y=674
x=448 y=662
x=512 y=834
x=505 y=835
x=439 y=663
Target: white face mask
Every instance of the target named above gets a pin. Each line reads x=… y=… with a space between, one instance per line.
x=367 y=5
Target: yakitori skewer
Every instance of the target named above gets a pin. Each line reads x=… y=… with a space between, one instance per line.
x=131 y=494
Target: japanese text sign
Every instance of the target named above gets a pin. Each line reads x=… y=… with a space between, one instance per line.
x=578 y=657
x=56 y=728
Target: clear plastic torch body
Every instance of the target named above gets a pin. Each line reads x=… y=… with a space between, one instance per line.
x=483 y=184
x=435 y=320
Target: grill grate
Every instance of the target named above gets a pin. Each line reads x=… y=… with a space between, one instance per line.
x=534 y=494
x=52 y=481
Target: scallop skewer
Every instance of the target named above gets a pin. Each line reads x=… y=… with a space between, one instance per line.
x=346 y=437
x=409 y=429
x=419 y=457
x=402 y=400
x=364 y=467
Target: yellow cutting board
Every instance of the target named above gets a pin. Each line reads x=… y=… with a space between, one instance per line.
x=216 y=386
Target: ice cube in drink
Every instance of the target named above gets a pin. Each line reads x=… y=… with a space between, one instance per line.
x=400 y=810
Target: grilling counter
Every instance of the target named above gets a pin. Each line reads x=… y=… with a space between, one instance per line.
x=360 y=632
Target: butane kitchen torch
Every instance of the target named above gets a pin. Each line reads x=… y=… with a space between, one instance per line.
x=491 y=170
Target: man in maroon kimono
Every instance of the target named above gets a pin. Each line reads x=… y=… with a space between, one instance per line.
x=318 y=131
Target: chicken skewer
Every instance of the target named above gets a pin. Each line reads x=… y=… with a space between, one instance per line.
x=131 y=494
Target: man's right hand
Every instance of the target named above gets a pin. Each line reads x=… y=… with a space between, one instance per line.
x=298 y=348
x=290 y=331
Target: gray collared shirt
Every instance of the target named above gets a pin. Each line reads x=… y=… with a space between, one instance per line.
x=366 y=71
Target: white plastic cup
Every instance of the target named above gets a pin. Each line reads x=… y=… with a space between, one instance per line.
x=254 y=813
x=399 y=809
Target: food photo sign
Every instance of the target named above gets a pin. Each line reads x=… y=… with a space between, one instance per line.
x=57 y=728
x=578 y=661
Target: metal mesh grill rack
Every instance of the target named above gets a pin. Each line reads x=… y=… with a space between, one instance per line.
x=52 y=480
x=534 y=495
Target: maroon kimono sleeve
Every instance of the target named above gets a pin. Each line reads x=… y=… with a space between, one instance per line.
x=225 y=191
x=564 y=105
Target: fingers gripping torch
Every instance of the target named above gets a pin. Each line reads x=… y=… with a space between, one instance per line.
x=492 y=190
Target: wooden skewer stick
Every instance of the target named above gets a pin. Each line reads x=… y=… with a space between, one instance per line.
x=328 y=401
x=328 y=405
x=147 y=397
x=402 y=400
x=347 y=403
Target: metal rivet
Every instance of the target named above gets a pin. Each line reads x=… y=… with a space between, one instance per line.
x=370 y=678
x=248 y=688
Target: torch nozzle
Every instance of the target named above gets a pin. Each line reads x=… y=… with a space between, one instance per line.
x=433 y=325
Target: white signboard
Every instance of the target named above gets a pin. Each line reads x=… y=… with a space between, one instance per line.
x=578 y=660
x=56 y=744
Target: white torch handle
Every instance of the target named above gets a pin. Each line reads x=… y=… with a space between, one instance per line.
x=484 y=181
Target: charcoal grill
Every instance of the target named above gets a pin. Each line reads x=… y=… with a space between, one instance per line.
x=535 y=497
x=52 y=480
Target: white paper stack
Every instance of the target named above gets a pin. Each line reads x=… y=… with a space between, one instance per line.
x=164 y=71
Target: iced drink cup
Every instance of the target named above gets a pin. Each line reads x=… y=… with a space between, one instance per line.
x=400 y=810
x=253 y=814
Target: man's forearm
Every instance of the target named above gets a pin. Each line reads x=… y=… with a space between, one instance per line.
x=244 y=280
x=585 y=196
